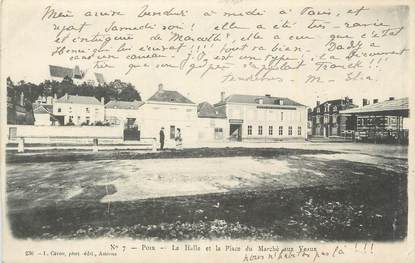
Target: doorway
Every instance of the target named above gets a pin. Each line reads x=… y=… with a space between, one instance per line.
x=131 y=130
x=235 y=132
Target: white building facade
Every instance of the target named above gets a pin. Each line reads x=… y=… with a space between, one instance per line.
x=211 y=124
x=170 y=110
x=263 y=118
x=122 y=112
x=79 y=110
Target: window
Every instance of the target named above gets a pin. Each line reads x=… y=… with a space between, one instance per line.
x=280 y=130
x=70 y=109
x=260 y=130
x=70 y=118
x=218 y=133
x=282 y=116
x=270 y=130
x=299 y=130
x=79 y=119
x=87 y=120
x=87 y=110
x=249 y=129
x=172 y=131
x=59 y=110
x=290 y=130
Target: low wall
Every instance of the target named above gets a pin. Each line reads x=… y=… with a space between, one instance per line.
x=65 y=134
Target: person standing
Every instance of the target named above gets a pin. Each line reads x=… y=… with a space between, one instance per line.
x=162 y=138
x=178 y=139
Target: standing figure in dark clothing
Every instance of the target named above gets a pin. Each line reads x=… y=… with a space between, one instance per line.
x=162 y=138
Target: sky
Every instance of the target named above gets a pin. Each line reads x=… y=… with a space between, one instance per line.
x=26 y=56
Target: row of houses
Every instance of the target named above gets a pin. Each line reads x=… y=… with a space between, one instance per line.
x=235 y=117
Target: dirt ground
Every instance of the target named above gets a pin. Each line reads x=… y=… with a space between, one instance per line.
x=335 y=192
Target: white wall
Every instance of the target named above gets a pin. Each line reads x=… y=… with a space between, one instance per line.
x=255 y=117
x=50 y=134
x=94 y=112
x=120 y=114
x=152 y=116
x=206 y=129
x=42 y=119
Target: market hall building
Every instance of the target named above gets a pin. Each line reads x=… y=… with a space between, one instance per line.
x=263 y=118
x=381 y=122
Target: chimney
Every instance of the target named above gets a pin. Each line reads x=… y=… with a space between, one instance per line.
x=102 y=100
x=66 y=96
x=365 y=102
x=160 y=86
x=49 y=100
x=55 y=96
x=391 y=98
x=222 y=96
x=375 y=101
x=22 y=98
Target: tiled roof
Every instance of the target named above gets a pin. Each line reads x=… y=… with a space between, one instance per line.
x=171 y=96
x=384 y=106
x=206 y=110
x=126 y=105
x=78 y=100
x=60 y=72
x=252 y=99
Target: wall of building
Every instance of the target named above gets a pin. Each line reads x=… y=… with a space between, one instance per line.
x=80 y=112
x=212 y=129
x=65 y=134
x=42 y=120
x=258 y=117
x=153 y=116
x=120 y=114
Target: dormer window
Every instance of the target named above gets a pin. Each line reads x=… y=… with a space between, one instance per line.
x=318 y=110
x=171 y=99
x=260 y=101
x=335 y=108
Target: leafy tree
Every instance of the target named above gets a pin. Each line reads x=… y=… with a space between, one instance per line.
x=129 y=94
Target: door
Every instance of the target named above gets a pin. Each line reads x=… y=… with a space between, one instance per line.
x=235 y=132
x=131 y=131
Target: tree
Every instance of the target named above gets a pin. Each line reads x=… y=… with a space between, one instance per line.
x=125 y=91
x=129 y=94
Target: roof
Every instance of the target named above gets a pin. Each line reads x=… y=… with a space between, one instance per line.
x=206 y=110
x=388 y=106
x=42 y=108
x=171 y=96
x=60 y=72
x=252 y=99
x=78 y=100
x=75 y=73
x=126 y=105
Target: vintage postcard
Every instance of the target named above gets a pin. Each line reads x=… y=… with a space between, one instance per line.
x=207 y=131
